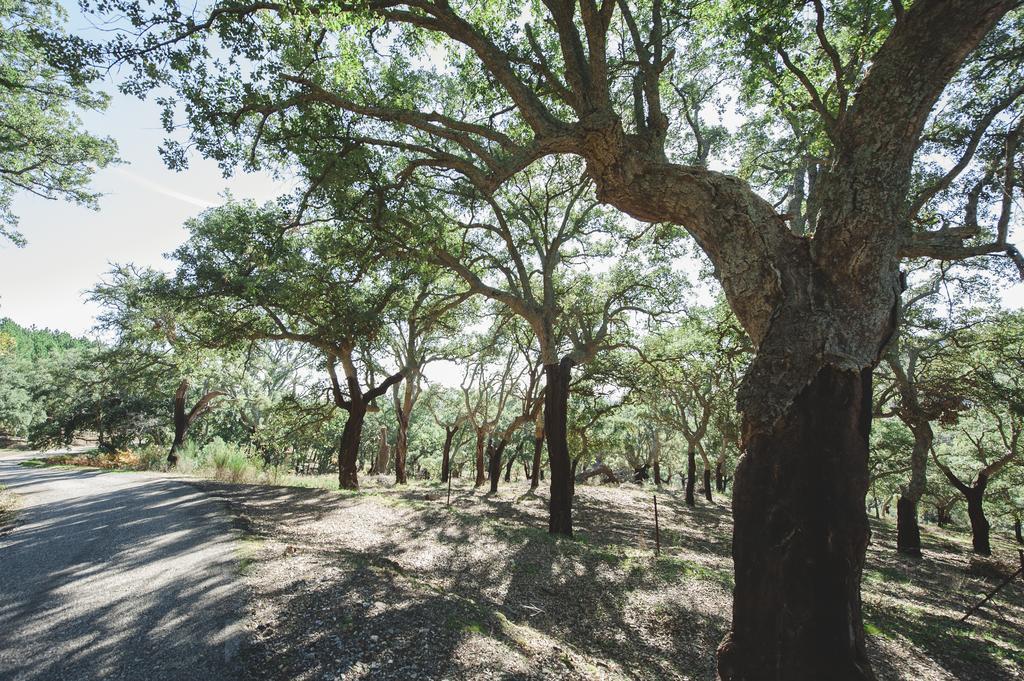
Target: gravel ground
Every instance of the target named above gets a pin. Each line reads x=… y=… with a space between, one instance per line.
x=391 y=584
x=116 y=576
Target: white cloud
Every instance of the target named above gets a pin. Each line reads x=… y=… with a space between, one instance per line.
x=160 y=189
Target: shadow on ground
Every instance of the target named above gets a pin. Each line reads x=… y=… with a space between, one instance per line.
x=102 y=579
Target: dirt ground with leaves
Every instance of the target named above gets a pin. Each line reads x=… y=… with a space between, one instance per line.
x=390 y=583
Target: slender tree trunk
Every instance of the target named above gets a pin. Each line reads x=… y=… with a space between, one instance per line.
x=480 y=436
x=691 y=475
x=538 y=447
x=380 y=464
x=556 y=408
x=800 y=537
x=572 y=473
x=707 y=484
x=348 y=452
x=908 y=532
x=446 y=453
x=976 y=512
x=1017 y=531
x=657 y=459
x=401 y=450
x=719 y=480
x=943 y=515
x=508 y=466
x=403 y=414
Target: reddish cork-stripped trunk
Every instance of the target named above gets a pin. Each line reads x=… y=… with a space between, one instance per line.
x=183 y=420
x=556 y=408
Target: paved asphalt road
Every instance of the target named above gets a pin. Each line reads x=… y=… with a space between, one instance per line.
x=121 y=576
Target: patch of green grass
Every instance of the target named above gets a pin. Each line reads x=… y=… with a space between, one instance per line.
x=249 y=547
x=466 y=625
x=672 y=569
x=959 y=647
x=33 y=463
x=873 y=630
x=8 y=508
x=885 y=574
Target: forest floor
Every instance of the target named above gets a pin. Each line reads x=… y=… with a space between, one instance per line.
x=388 y=583
x=8 y=508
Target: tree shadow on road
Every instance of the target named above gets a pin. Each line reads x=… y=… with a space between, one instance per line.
x=139 y=581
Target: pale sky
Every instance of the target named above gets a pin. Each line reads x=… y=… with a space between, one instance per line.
x=140 y=219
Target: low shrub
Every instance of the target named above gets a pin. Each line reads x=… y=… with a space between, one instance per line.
x=228 y=461
x=152 y=457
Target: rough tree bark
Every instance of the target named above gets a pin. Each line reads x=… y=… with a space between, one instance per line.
x=980 y=528
x=800 y=538
x=508 y=466
x=556 y=407
x=356 y=405
x=538 y=447
x=446 y=451
x=183 y=421
x=481 y=436
x=494 y=452
x=403 y=414
x=910 y=412
x=380 y=464
x=975 y=496
x=908 y=531
x=348 y=451
x=691 y=475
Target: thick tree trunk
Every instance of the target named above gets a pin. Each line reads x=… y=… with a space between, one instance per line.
x=943 y=515
x=180 y=423
x=508 y=467
x=348 y=452
x=908 y=532
x=481 y=434
x=799 y=538
x=707 y=484
x=976 y=512
x=691 y=476
x=494 y=453
x=446 y=453
x=556 y=408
